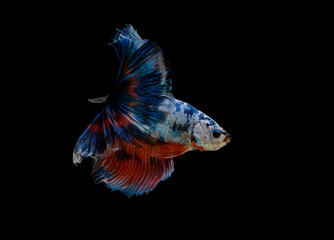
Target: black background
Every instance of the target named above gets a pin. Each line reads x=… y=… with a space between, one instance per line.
x=220 y=60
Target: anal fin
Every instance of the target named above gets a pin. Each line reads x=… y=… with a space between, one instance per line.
x=132 y=170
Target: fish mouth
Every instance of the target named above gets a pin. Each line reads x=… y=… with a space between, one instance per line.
x=227 y=139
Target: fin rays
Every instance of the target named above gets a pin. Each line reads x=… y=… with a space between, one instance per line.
x=132 y=170
x=119 y=138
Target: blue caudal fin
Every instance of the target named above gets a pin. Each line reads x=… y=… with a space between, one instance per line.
x=139 y=58
x=141 y=86
x=126 y=39
x=132 y=110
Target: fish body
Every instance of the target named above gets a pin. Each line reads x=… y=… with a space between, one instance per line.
x=142 y=127
x=191 y=127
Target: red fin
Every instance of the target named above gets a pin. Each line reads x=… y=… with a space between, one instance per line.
x=132 y=170
x=170 y=150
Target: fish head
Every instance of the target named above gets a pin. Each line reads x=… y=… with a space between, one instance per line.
x=209 y=136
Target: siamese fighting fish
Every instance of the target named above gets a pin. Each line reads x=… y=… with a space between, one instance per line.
x=142 y=127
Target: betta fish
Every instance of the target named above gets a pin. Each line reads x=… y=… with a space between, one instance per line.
x=142 y=127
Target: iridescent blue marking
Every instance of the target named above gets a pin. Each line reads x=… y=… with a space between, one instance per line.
x=178 y=106
x=202 y=116
x=190 y=110
x=101 y=173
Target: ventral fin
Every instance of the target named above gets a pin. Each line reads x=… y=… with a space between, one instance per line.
x=170 y=150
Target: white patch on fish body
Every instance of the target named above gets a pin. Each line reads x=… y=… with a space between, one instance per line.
x=168 y=105
x=170 y=129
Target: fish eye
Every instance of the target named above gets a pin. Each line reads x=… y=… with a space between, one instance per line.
x=216 y=133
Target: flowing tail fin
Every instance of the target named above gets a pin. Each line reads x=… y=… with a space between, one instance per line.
x=127 y=157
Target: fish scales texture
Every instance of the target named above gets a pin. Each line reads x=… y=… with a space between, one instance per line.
x=142 y=127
